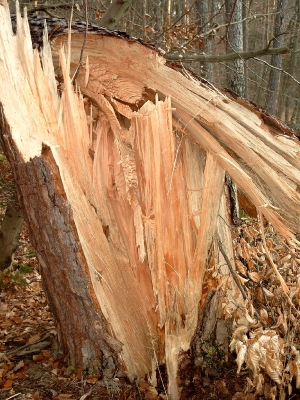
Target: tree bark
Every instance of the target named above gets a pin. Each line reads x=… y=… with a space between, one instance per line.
x=9 y=234
x=12 y=221
x=203 y=15
x=235 y=70
x=276 y=61
x=122 y=186
x=116 y=10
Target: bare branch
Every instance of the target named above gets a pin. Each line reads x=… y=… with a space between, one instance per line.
x=224 y=57
x=47 y=7
x=217 y=27
x=279 y=69
x=83 y=44
x=176 y=21
x=236 y=279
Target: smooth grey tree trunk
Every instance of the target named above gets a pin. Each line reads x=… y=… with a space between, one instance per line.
x=235 y=70
x=276 y=61
x=203 y=12
x=235 y=77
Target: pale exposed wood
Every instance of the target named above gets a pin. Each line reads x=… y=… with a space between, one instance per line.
x=128 y=174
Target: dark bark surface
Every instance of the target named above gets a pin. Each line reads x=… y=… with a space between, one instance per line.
x=9 y=234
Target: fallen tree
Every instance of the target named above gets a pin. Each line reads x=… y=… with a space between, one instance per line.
x=121 y=180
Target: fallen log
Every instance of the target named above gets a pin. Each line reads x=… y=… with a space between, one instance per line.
x=121 y=180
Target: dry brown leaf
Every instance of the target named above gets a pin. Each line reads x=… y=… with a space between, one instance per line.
x=279 y=248
x=284 y=259
x=33 y=339
x=280 y=321
x=149 y=29
x=273 y=393
x=249 y=318
x=267 y=292
x=20 y=375
x=294 y=369
x=252 y=265
x=259 y=384
x=19 y=365
x=8 y=384
x=253 y=357
x=252 y=231
x=241 y=350
x=255 y=276
x=239 y=330
x=151 y=393
x=241 y=267
x=244 y=396
x=92 y=379
x=260 y=247
x=245 y=249
x=274 y=369
x=264 y=315
x=38 y=357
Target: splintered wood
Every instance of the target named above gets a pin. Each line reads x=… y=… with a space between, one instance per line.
x=138 y=155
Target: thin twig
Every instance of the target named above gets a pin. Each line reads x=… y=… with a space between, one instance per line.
x=83 y=44
x=15 y=395
x=46 y=7
x=276 y=68
x=281 y=280
x=86 y=394
x=138 y=389
x=9 y=353
x=234 y=275
x=177 y=20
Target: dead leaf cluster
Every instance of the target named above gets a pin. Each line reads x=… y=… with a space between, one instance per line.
x=266 y=337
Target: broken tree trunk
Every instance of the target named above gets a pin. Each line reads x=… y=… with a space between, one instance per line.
x=122 y=184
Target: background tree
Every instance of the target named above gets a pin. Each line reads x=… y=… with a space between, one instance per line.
x=235 y=43
x=276 y=61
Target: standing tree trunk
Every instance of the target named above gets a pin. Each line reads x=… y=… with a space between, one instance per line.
x=245 y=13
x=276 y=61
x=235 y=77
x=235 y=70
x=289 y=94
x=203 y=17
x=122 y=186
